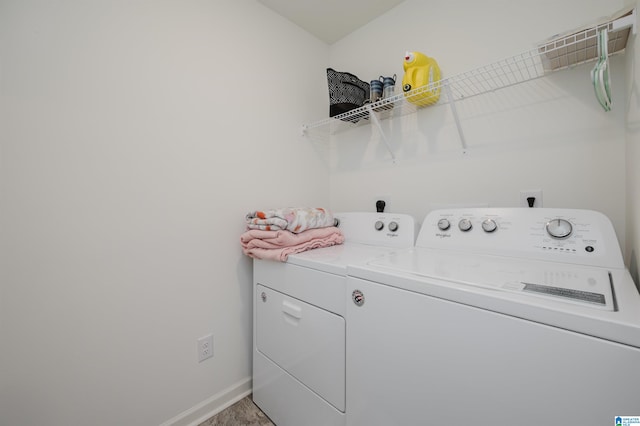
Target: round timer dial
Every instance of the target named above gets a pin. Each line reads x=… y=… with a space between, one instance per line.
x=559 y=228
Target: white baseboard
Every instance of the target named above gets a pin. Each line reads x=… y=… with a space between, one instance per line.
x=212 y=406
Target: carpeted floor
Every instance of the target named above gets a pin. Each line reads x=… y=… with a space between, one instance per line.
x=242 y=413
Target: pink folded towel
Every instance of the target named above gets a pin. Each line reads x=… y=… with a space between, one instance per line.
x=278 y=245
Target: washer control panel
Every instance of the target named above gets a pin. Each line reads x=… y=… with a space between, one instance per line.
x=563 y=235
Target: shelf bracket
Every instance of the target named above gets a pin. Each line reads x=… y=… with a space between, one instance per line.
x=454 y=112
x=376 y=121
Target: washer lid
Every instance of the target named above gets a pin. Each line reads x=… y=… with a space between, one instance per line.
x=585 y=286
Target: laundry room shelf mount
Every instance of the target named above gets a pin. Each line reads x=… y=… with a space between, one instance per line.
x=557 y=54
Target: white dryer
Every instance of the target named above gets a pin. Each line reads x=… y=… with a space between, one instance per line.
x=299 y=326
x=496 y=317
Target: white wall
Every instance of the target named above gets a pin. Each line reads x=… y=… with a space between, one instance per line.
x=633 y=158
x=134 y=136
x=549 y=134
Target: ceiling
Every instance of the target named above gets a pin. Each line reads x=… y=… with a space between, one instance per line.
x=330 y=20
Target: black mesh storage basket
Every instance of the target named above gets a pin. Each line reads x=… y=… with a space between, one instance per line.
x=346 y=92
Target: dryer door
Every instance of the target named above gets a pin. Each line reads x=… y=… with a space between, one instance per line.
x=306 y=341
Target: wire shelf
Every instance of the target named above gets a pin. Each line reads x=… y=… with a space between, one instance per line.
x=582 y=46
x=507 y=72
x=555 y=55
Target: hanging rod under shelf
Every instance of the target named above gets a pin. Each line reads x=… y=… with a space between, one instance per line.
x=554 y=55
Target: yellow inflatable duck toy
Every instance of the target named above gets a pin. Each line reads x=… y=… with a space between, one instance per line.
x=419 y=71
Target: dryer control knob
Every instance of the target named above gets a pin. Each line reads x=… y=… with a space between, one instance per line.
x=379 y=225
x=489 y=225
x=465 y=225
x=393 y=226
x=444 y=224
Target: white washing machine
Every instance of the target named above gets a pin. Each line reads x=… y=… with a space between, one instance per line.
x=299 y=325
x=496 y=317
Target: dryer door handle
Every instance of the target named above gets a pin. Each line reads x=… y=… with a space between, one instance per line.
x=292 y=310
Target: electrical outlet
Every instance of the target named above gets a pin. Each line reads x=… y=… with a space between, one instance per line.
x=526 y=196
x=205 y=347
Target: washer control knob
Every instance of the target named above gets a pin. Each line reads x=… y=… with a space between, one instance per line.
x=393 y=226
x=465 y=225
x=559 y=228
x=379 y=225
x=444 y=224
x=489 y=225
